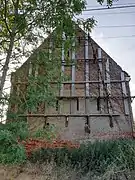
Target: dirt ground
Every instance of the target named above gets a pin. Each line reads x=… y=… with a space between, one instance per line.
x=51 y=172
x=8 y=173
x=35 y=172
x=28 y=172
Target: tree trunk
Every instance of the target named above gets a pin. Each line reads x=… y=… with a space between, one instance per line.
x=5 y=67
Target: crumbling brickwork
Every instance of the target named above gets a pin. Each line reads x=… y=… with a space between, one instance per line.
x=106 y=112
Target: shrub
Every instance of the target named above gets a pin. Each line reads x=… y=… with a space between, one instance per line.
x=18 y=128
x=10 y=151
x=47 y=133
x=95 y=157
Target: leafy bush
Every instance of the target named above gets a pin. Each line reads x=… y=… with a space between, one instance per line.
x=95 y=157
x=18 y=128
x=10 y=151
x=47 y=133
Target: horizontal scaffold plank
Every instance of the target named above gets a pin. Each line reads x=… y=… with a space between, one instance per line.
x=87 y=97
x=68 y=115
x=101 y=97
x=93 y=82
x=80 y=82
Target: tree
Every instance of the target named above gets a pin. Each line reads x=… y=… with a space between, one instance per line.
x=25 y=23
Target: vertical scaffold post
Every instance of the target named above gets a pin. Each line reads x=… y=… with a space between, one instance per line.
x=63 y=62
x=100 y=70
x=73 y=66
x=29 y=74
x=108 y=80
x=124 y=91
x=87 y=75
x=101 y=86
x=73 y=61
x=87 y=65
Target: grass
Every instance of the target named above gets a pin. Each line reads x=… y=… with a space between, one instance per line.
x=94 y=157
x=50 y=171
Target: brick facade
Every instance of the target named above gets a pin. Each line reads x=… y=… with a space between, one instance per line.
x=99 y=125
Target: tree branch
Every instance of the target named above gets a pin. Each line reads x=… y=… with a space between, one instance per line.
x=9 y=52
x=5 y=19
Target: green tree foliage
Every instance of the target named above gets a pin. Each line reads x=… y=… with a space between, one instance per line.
x=109 y=2
x=24 y=23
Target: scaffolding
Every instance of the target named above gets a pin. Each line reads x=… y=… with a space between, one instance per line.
x=104 y=87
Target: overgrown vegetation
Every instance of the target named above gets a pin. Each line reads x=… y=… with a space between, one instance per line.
x=50 y=171
x=94 y=157
x=47 y=133
x=11 y=152
x=97 y=160
x=18 y=129
x=11 y=135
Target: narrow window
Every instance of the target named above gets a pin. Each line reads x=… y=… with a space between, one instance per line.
x=66 y=121
x=98 y=104
x=111 y=122
x=57 y=105
x=77 y=104
x=45 y=122
x=87 y=126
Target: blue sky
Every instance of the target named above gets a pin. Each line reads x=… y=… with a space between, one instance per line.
x=122 y=50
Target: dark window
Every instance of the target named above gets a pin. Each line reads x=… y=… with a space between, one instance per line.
x=66 y=122
x=98 y=104
x=87 y=126
x=77 y=104
x=57 y=105
x=111 y=122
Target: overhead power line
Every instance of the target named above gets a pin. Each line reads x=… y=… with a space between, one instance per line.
x=109 y=13
x=108 y=8
x=117 y=37
x=117 y=26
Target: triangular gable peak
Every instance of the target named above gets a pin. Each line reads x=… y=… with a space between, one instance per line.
x=80 y=34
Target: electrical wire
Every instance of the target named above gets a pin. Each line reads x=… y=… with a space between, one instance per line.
x=109 y=13
x=109 y=8
x=116 y=26
x=116 y=37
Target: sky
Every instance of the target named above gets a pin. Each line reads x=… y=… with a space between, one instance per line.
x=121 y=49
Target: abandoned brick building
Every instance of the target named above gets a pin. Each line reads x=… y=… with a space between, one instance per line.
x=95 y=103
